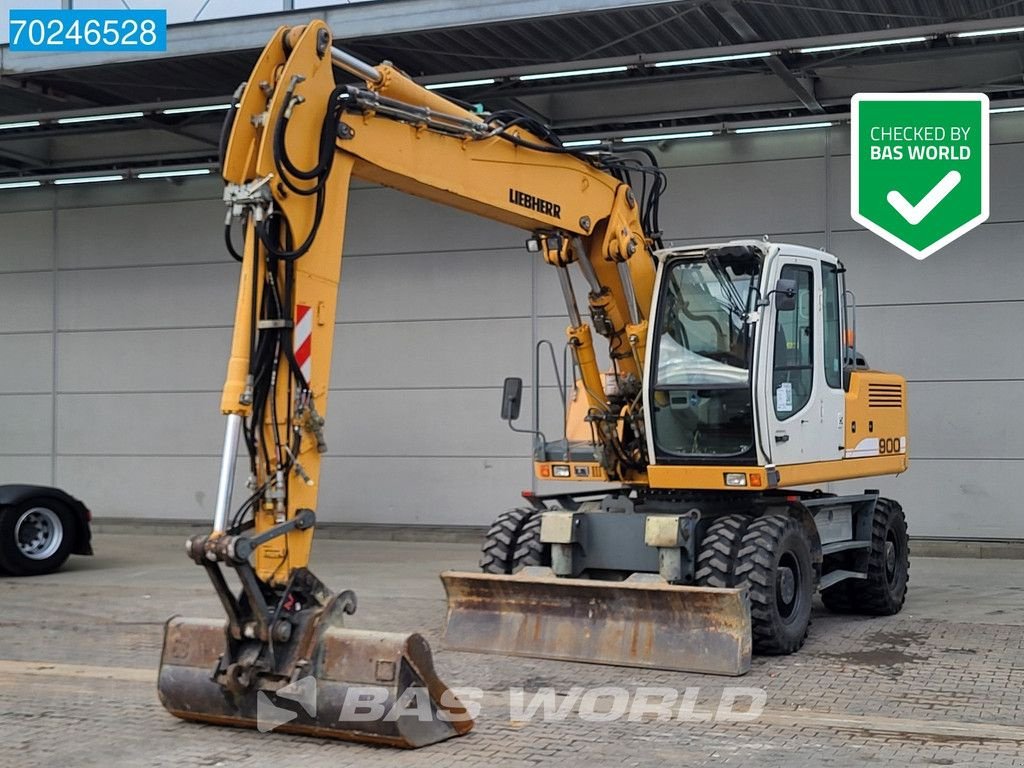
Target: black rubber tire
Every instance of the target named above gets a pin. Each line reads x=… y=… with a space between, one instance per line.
x=716 y=560
x=14 y=561
x=839 y=599
x=501 y=542
x=771 y=546
x=885 y=589
x=529 y=549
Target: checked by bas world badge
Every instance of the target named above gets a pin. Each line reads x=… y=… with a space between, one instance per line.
x=919 y=167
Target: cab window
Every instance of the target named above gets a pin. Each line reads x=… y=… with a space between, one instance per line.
x=832 y=359
x=793 y=372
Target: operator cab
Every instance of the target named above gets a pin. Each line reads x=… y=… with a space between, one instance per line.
x=703 y=348
x=748 y=365
x=745 y=356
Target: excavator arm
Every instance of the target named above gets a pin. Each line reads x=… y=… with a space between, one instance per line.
x=297 y=141
x=294 y=141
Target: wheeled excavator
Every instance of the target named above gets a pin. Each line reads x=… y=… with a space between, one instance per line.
x=730 y=392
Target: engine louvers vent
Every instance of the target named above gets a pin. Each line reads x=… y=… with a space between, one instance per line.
x=885 y=396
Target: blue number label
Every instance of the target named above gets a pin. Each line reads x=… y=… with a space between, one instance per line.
x=88 y=30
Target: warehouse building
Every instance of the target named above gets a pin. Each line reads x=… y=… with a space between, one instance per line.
x=117 y=297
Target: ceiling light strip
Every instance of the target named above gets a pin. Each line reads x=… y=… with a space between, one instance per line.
x=712 y=59
x=172 y=173
x=989 y=32
x=666 y=136
x=190 y=110
x=866 y=44
x=784 y=127
x=573 y=73
x=87 y=179
x=98 y=118
x=22 y=124
x=460 y=84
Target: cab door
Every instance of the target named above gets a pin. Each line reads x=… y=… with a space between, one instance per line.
x=830 y=438
x=802 y=394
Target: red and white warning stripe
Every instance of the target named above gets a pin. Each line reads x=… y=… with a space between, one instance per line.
x=304 y=339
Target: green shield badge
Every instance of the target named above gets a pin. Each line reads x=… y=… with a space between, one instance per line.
x=919 y=167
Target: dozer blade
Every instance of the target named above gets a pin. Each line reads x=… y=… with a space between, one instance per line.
x=377 y=687
x=625 y=623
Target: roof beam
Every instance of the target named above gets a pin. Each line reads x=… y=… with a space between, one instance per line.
x=362 y=20
x=625 y=102
x=18 y=161
x=802 y=87
x=349 y=22
x=648 y=59
x=151 y=106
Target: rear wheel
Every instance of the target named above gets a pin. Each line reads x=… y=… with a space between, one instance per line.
x=774 y=563
x=513 y=542
x=35 y=537
x=885 y=589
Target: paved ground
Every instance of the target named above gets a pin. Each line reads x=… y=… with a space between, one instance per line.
x=940 y=684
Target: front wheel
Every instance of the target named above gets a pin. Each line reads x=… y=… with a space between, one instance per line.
x=35 y=537
x=513 y=543
x=774 y=563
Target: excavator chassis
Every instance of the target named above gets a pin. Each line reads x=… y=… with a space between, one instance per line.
x=693 y=583
x=637 y=608
x=289 y=644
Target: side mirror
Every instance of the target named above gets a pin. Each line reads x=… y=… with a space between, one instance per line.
x=785 y=295
x=511 y=398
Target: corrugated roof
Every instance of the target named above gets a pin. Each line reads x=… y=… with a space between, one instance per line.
x=653 y=29
x=784 y=86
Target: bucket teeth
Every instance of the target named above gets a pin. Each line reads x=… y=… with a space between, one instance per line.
x=376 y=687
x=649 y=624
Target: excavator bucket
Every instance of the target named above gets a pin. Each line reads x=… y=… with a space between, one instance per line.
x=354 y=685
x=630 y=623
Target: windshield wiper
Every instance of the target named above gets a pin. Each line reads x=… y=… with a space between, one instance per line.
x=737 y=307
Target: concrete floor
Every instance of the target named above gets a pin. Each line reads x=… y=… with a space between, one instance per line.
x=940 y=684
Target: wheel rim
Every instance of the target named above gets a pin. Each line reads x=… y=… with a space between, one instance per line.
x=891 y=560
x=38 y=533
x=787 y=589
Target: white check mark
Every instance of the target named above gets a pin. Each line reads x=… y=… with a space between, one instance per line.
x=916 y=213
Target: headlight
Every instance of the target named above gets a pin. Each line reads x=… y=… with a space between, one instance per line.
x=560 y=470
x=735 y=479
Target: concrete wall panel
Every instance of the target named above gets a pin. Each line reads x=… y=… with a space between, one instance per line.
x=26 y=302
x=26 y=425
x=437 y=306
x=28 y=241
x=27 y=363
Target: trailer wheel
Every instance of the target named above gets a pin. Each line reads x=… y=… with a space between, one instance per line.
x=36 y=537
x=501 y=544
x=885 y=589
x=716 y=561
x=774 y=563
